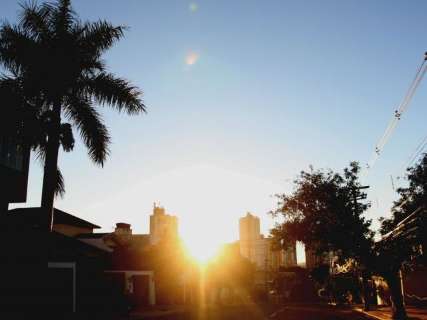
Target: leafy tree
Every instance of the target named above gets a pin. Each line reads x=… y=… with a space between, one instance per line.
x=404 y=232
x=55 y=72
x=411 y=198
x=324 y=214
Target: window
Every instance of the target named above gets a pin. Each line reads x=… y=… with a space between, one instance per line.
x=11 y=154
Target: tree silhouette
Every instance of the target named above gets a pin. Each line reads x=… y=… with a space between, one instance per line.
x=54 y=72
x=411 y=198
x=404 y=233
x=323 y=213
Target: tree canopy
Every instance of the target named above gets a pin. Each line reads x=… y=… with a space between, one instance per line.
x=411 y=198
x=405 y=231
x=324 y=213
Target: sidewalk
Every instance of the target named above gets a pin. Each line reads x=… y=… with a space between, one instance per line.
x=384 y=313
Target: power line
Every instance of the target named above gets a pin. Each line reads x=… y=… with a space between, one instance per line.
x=418 y=151
x=403 y=106
x=408 y=221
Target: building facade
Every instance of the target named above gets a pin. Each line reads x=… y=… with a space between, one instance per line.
x=14 y=165
x=260 y=250
x=249 y=236
x=162 y=225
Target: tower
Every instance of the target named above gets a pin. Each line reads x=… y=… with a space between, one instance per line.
x=249 y=232
x=162 y=225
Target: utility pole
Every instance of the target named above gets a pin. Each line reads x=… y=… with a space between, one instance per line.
x=355 y=197
x=365 y=283
x=266 y=273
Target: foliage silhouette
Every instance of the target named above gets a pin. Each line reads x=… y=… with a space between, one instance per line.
x=404 y=233
x=54 y=71
x=324 y=214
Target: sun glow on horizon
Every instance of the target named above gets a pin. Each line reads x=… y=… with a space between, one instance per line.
x=202 y=249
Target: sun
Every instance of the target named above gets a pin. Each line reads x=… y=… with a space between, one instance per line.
x=202 y=250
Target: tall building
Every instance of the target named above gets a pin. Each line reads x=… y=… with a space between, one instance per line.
x=162 y=224
x=249 y=228
x=259 y=250
x=249 y=233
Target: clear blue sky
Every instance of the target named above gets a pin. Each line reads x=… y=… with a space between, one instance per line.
x=275 y=86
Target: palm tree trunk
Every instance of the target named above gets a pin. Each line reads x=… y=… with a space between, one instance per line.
x=50 y=168
x=394 y=282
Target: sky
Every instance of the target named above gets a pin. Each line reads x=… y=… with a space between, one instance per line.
x=242 y=96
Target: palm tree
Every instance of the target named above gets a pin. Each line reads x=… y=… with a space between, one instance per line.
x=54 y=72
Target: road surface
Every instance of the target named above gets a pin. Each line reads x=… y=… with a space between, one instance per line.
x=255 y=312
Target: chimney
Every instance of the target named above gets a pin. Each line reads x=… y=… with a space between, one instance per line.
x=123 y=229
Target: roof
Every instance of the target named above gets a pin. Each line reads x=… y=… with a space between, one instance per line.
x=34 y=215
x=98 y=235
x=32 y=245
x=63 y=246
x=97 y=243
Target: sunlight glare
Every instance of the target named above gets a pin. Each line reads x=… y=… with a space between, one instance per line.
x=202 y=250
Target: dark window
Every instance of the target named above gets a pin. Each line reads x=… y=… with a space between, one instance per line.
x=11 y=154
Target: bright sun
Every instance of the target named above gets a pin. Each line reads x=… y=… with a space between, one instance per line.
x=202 y=249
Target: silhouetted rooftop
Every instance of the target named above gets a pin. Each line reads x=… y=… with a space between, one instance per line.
x=92 y=235
x=34 y=215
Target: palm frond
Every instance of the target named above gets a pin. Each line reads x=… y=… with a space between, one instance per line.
x=17 y=48
x=63 y=17
x=91 y=127
x=40 y=152
x=66 y=137
x=35 y=18
x=99 y=36
x=105 y=88
x=60 y=184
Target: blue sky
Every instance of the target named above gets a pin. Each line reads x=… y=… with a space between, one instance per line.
x=275 y=86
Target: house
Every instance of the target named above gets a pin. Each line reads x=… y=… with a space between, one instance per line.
x=129 y=267
x=49 y=271
x=63 y=222
x=70 y=269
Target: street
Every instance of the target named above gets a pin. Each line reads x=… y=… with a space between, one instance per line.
x=258 y=312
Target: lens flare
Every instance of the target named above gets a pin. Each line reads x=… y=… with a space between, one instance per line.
x=193 y=7
x=191 y=58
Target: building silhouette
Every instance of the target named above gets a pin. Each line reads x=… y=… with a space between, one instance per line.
x=260 y=250
x=162 y=225
x=14 y=166
x=249 y=234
